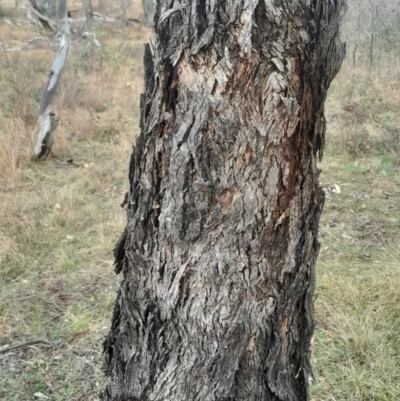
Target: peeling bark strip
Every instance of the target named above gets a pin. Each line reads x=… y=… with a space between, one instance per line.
x=47 y=119
x=220 y=247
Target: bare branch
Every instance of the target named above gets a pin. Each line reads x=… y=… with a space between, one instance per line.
x=103 y=18
x=7 y=349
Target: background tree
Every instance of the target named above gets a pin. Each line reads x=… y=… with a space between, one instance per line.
x=149 y=7
x=219 y=251
x=372 y=30
x=88 y=15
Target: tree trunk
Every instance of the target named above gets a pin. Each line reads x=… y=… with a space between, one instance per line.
x=47 y=119
x=88 y=15
x=218 y=256
x=149 y=8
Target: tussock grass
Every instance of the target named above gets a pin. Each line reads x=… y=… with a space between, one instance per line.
x=357 y=346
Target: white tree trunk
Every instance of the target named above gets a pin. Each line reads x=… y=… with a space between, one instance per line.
x=47 y=119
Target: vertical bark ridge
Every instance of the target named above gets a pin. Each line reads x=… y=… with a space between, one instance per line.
x=219 y=252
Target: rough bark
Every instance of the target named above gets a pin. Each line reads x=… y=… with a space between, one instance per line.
x=219 y=251
x=47 y=119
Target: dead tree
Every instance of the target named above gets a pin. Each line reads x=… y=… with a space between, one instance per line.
x=47 y=119
x=218 y=256
x=42 y=12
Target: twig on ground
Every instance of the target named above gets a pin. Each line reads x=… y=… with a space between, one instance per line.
x=24 y=345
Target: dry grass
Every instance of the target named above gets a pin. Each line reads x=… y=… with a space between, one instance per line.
x=59 y=221
x=363 y=109
x=357 y=341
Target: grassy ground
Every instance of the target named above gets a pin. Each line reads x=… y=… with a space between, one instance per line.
x=59 y=221
x=356 y=353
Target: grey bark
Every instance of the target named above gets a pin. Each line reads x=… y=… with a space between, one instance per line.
x=218 y=256
x=47 y=119
x=88 y=15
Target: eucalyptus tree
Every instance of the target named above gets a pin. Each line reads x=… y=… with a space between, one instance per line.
x=218 y=255
x=47 y=118
x=149 y=7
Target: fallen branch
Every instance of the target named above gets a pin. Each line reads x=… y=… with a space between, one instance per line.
x=133 y=21
x=29 y=42
x=37 y=38
x=351 y=109
x=103 y=18
x=24 y=345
